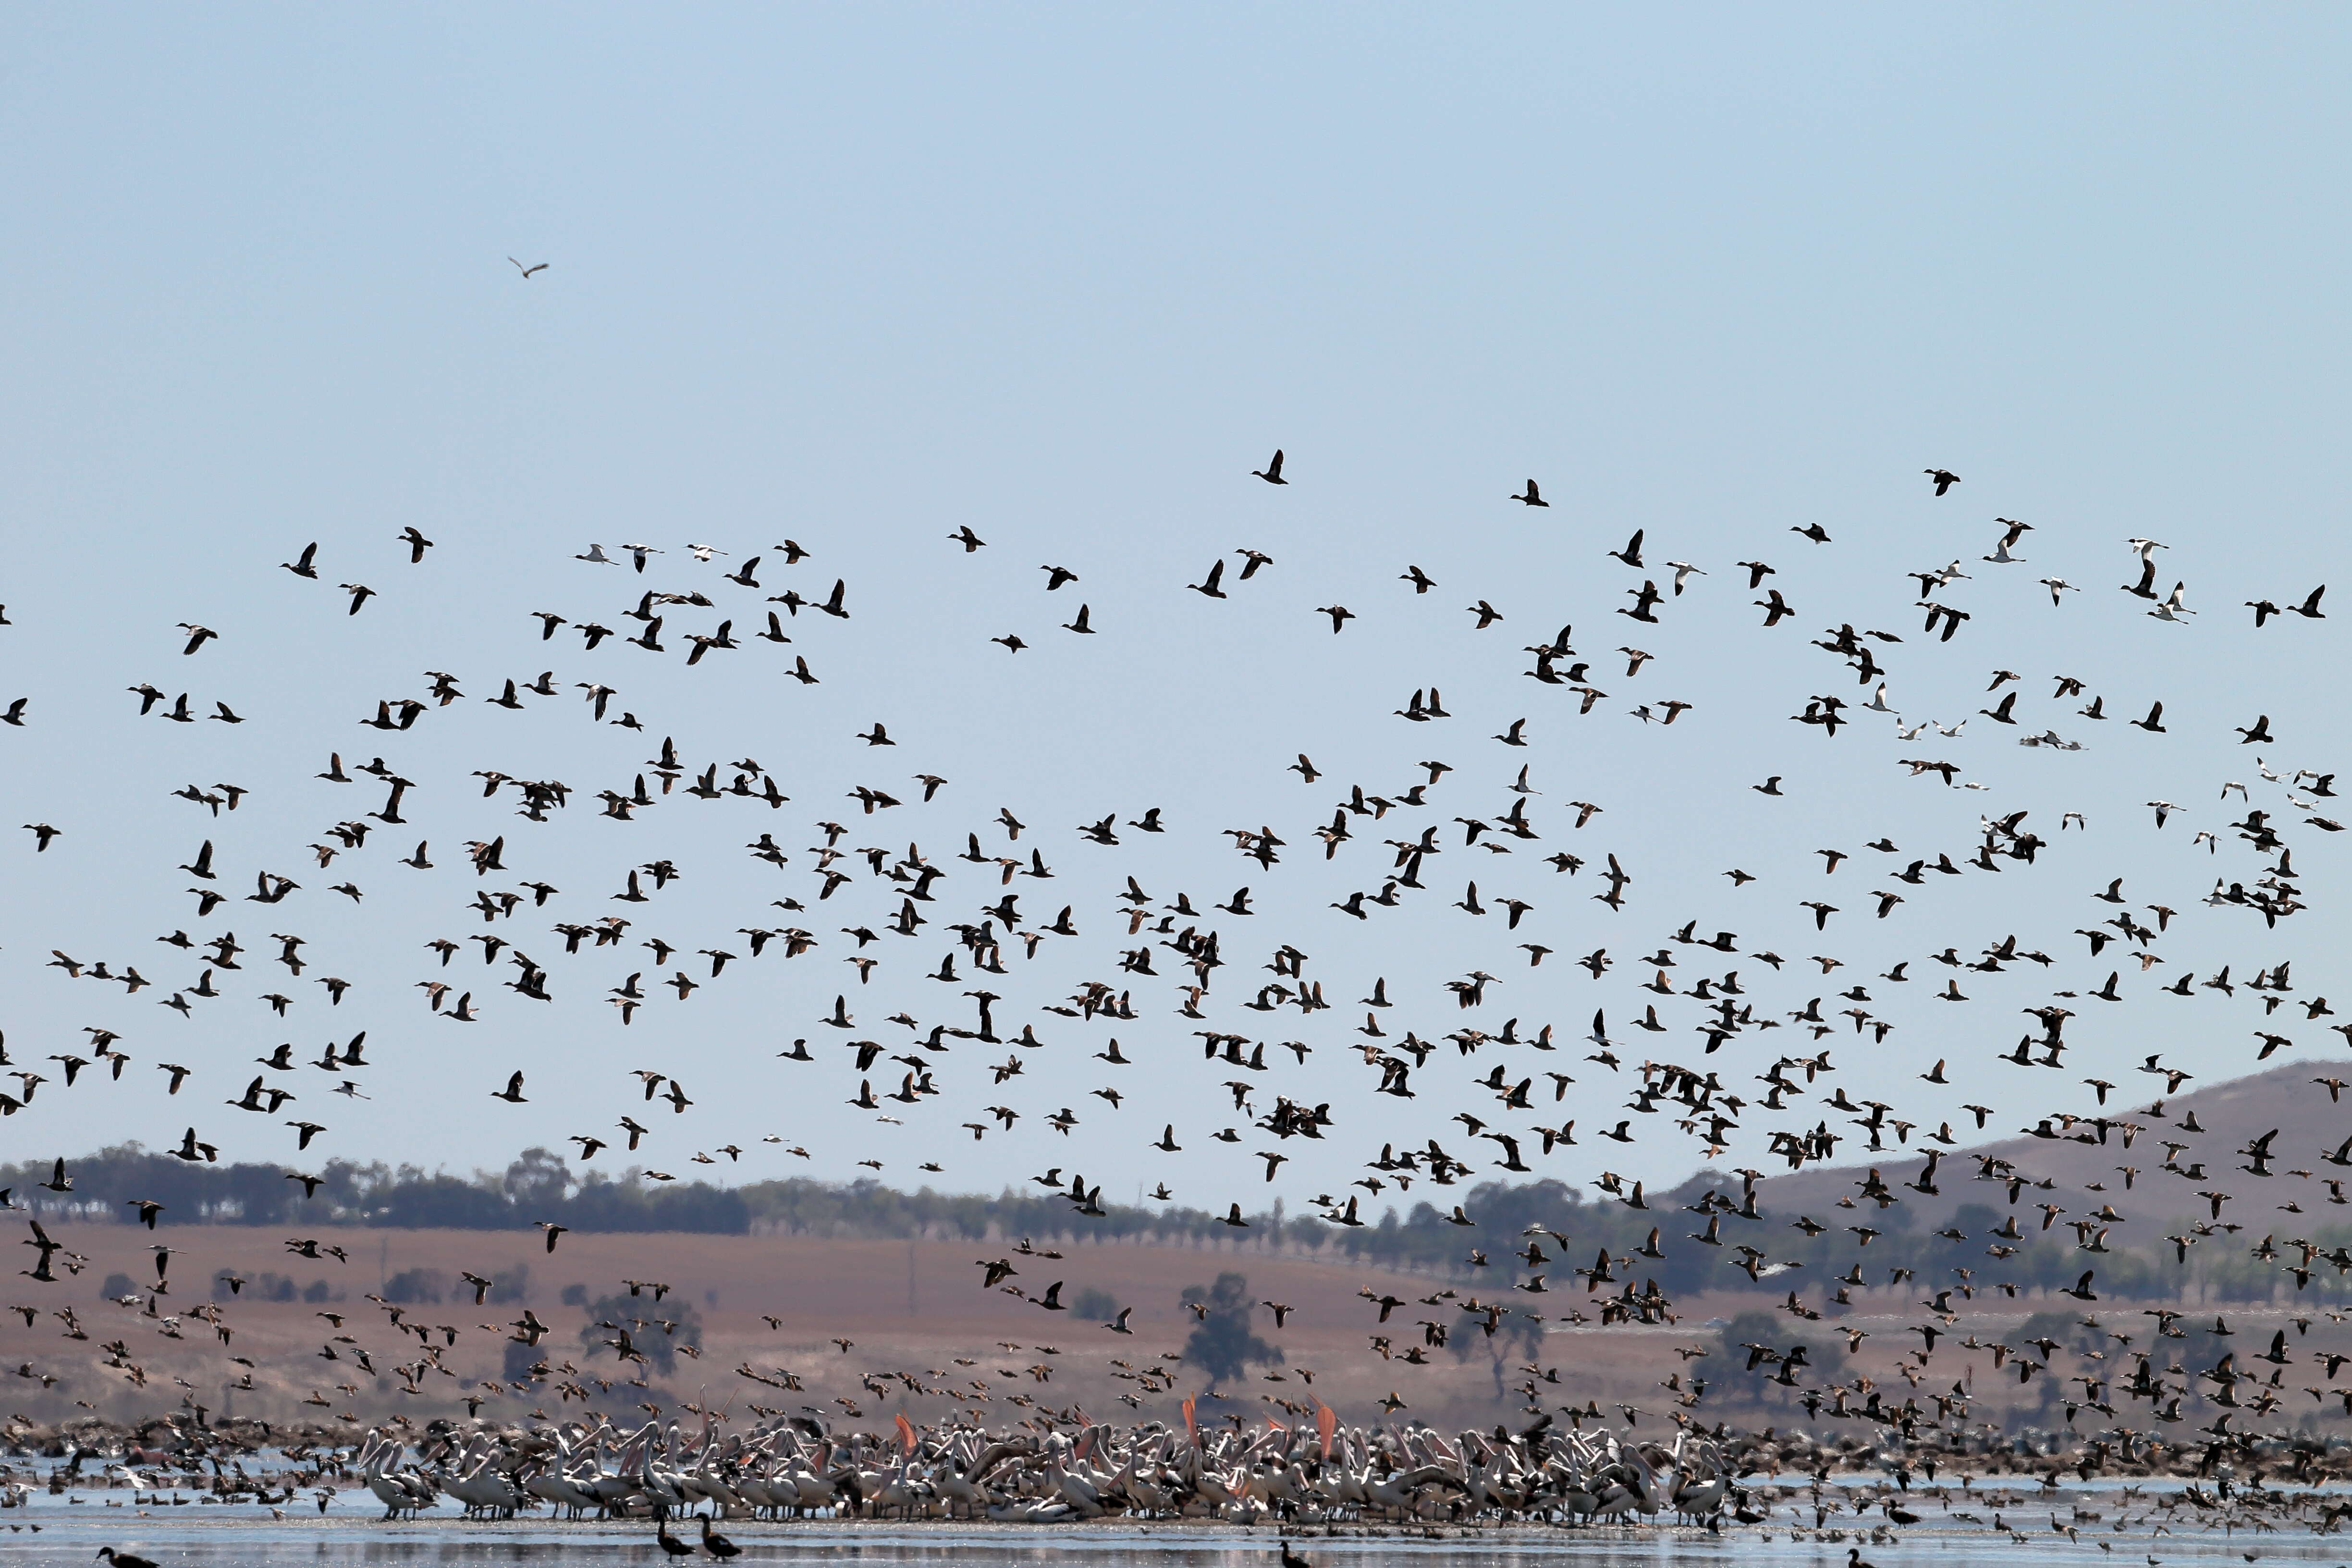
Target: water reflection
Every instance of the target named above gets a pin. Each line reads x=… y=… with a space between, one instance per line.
x=223 y=1542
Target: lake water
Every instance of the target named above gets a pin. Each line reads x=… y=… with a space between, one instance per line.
x=225 y=1542
x=244 y=1536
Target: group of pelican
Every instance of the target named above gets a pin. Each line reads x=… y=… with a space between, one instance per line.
x=787 y=1469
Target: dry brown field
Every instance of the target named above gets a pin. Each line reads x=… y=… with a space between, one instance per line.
x=918 y=1307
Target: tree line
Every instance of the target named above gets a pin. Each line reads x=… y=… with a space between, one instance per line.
x=539 y=1185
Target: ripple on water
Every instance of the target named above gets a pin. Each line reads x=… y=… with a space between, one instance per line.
x=221 y=1542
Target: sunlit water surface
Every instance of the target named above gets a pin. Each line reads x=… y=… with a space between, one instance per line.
x=244 y=1535
x=224 y=1541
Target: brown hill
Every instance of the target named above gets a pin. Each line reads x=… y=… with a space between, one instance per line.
x=2309 y=1121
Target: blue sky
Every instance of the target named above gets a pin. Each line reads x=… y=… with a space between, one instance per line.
x=862 y=277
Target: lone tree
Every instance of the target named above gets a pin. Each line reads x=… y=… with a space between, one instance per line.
x=1222 y=1346
x=1508 y=1339
x=622 y=1325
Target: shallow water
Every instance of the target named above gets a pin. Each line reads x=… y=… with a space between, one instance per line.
x=222 y=1541
x=244 y=1536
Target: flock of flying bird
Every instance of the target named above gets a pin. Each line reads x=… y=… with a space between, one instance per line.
x=942 y=931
